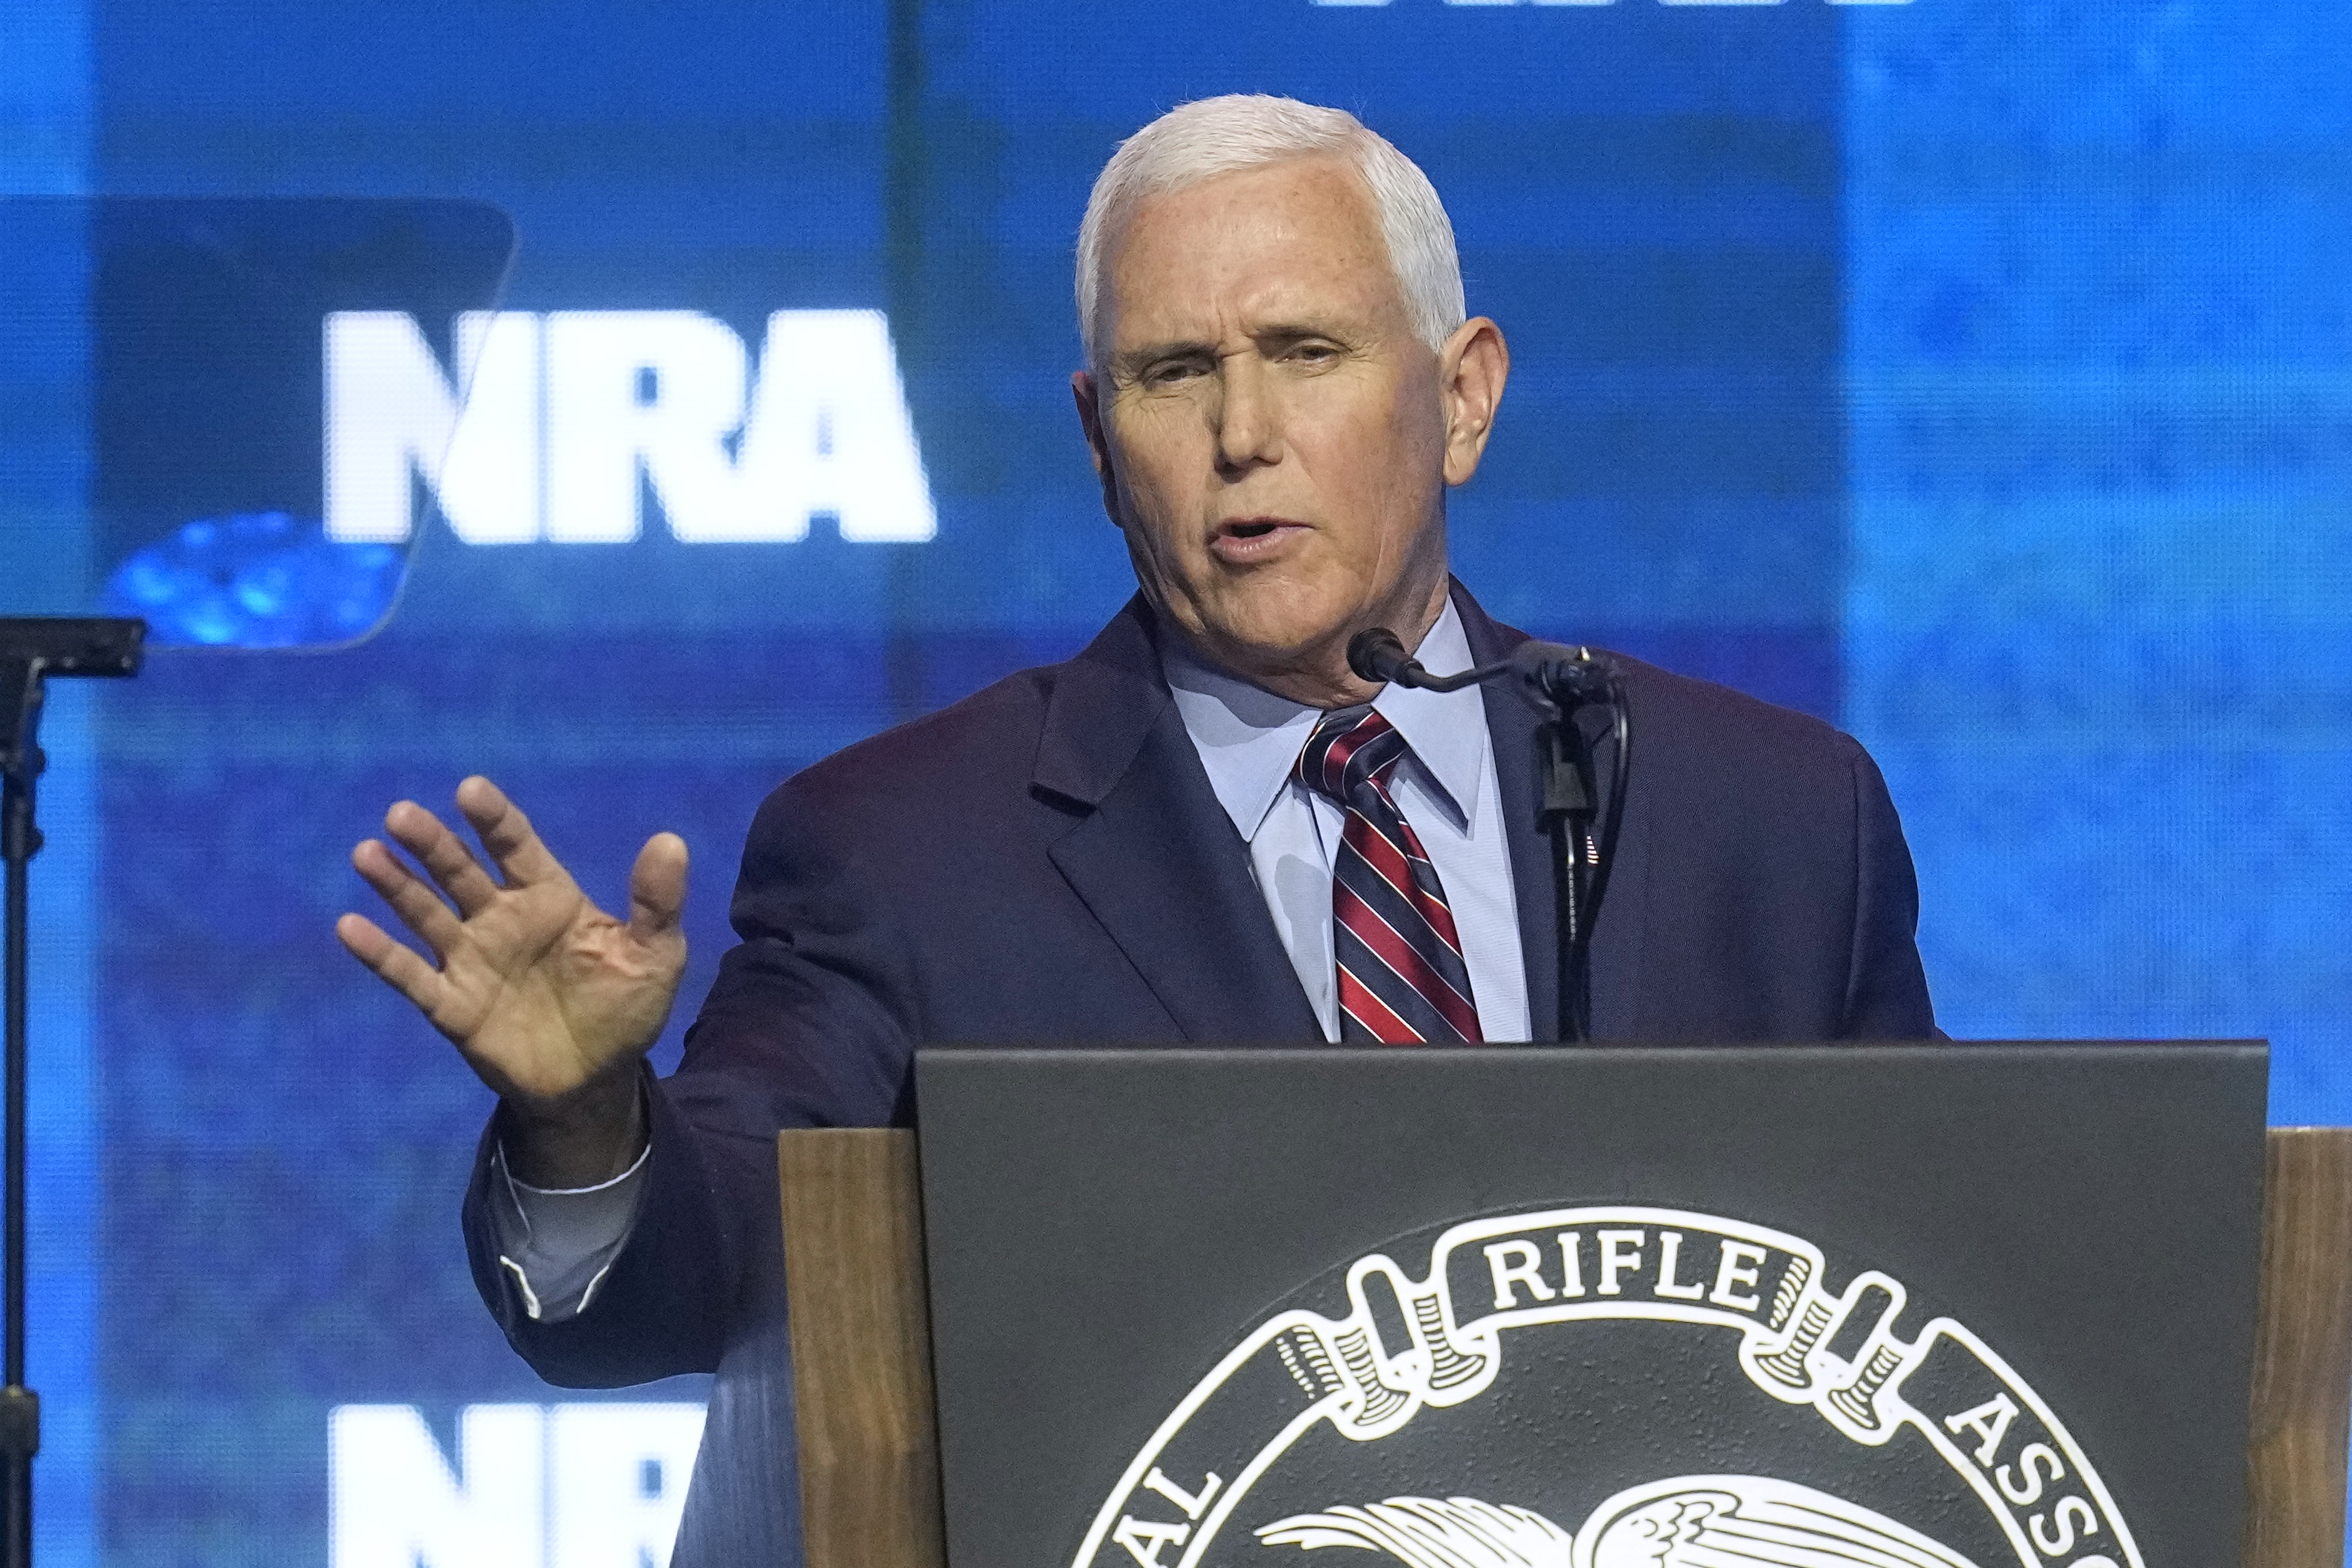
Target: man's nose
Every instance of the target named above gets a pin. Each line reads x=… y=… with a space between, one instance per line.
x=1248 y=420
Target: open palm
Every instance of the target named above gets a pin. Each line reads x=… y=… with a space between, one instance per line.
x=543 y=993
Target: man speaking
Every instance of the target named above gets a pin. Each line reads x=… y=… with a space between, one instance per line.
x=1204 y=829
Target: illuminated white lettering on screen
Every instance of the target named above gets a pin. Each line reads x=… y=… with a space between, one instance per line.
x=397 y=1503
x=574 y=1486
x=391 y=413
x=562 y=413
x=625 y=387
x=842 y=441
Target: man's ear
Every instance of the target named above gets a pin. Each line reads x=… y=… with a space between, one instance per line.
x=1082 y=388
x=1471 y=370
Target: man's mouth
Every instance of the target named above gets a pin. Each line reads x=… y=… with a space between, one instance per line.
x=1241 y=540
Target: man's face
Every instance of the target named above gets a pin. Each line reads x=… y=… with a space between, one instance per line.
x=1275 y=441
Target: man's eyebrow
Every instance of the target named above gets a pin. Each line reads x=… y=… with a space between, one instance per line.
x=1144 y=354
x=1290 y=331
x=1147 y=353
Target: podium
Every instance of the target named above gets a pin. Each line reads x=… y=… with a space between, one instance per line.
x=1244 y=1304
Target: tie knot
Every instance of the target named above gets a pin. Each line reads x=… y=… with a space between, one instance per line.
x=1350 y=746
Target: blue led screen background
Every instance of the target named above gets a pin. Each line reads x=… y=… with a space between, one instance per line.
x=1977 y=374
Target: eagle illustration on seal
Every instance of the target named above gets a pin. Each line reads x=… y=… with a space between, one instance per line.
x=1688 y=1521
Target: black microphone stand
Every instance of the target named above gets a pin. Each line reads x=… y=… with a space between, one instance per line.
x=31 y=650
x=1565 y=808
x=1560 y=682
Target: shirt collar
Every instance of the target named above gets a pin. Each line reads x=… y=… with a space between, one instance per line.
x=1447 y=730
x=1249 y=738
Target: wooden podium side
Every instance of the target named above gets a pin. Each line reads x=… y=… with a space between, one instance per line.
x=861 y=1326
x=870 y=1436
x=2302 y=1354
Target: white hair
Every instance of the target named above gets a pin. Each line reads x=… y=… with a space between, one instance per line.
x=1211 y=136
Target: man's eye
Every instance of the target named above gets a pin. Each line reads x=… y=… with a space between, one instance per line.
x=1314 y=353
x=1169 y=372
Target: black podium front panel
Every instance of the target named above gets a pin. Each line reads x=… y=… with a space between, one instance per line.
x=1901 y=1306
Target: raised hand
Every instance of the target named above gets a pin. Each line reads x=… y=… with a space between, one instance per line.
x=548 y=997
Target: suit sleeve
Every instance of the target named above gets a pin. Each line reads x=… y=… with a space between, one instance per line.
x=1887 y=989
x=809 y=1024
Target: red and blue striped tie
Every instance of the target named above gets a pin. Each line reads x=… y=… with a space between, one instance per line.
x=1401 y=979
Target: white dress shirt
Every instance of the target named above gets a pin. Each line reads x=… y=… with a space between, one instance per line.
x=557 y=1244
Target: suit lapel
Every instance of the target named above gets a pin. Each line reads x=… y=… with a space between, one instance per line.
x=1617 y=945
x=1154 y=857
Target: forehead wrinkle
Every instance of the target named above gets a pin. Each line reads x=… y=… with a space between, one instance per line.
x=1282 y=310
x=1355 y=276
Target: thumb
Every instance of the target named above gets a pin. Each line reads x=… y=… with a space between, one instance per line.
x=658 y=887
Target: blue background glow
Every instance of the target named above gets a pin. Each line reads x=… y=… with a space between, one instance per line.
x=1975 y=372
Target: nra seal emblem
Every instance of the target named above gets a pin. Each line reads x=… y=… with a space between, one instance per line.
x=1608 y=1387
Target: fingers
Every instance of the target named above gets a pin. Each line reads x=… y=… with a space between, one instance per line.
x=507 y=835
x=658 y=887
x=443 y=854
x=414 y=902
x=399 y=968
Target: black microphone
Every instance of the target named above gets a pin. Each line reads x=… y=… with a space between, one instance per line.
x=1550 y=674
x=1377 y=654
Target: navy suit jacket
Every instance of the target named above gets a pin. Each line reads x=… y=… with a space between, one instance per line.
x=1045 y=862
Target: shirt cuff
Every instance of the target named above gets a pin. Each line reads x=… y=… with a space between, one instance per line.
x=558 y=1243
